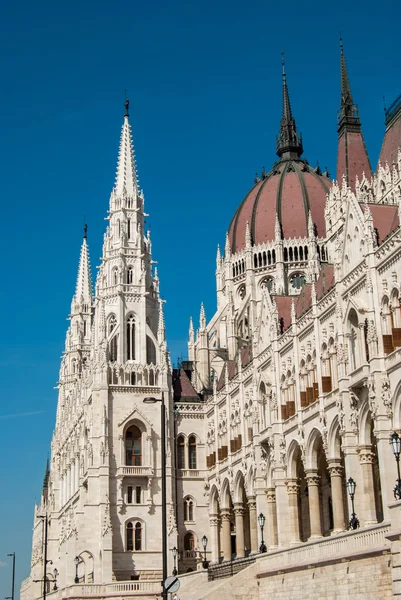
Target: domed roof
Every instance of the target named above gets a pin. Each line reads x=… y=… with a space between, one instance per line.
x=290 y=191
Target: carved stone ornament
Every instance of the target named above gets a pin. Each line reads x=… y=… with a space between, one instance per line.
x=386 y=395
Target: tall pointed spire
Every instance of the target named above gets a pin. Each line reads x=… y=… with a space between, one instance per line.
x=83 y=287
x=347 y=106
x=289 y=142
x=352 y=156
x=126 y=178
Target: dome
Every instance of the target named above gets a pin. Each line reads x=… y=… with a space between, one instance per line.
x=290 y=190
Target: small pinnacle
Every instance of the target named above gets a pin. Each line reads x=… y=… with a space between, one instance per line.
x=126 y=106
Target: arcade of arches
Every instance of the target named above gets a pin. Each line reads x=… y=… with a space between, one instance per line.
x=308 y=500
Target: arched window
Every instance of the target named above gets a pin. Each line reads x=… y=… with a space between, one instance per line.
x=133 y=446
x=189 y=542
x=192 y=452
x=129 y=228
x=188 y=509
x=134 y=536
x=131 y=338
x=115 y=276
x=181 y=452
x=113 y=342
x=150 y=351
x=130 y=275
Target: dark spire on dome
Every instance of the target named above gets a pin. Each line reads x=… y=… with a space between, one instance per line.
x=349 y=114
x=289 y=142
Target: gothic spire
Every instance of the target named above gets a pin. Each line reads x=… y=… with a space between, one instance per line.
x=352 y=156
x=348 y=110
x=289 y=142
x=126 y=177
x=161 y=329
x=83 y=287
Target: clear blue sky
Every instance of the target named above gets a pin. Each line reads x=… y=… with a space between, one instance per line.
x=204 y=84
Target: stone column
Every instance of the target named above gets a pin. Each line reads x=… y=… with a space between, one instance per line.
x=336 y=477
x=214 y=536
x=253 y=524
x=225 y=514
x=239 y=529
x=313 y=480
x=271 y=519
x=293 y=513
x=367 y=457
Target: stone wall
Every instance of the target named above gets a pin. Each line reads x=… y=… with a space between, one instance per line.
x=364 y=579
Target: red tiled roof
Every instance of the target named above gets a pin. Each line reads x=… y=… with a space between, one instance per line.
x=290 y=191
x=385 y=219
x=391 y=142
x=182 y=386
x=284 y=309
x=352 y=154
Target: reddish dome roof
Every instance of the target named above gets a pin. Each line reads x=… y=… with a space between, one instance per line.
x=290 y=190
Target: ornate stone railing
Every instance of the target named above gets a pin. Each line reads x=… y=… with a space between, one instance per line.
x=111 y=589
x=341 y=545
x=190 y=473
x=229 y=567
x=129 y=470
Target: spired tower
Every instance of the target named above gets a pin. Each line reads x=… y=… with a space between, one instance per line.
x=104 y=482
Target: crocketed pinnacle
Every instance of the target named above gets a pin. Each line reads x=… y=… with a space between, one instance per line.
x=202 y=318
x=84 y=283
x=289 y=143
x=161 y=329
x=348 y=110
x=191 y=331
x=126 y=178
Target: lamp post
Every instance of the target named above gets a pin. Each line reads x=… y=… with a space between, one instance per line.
x=175 y=552
x=55 y=573
x=76 y=561
x=395 y=442
x=151 y=400
x=205 y=563
x=261 y=521
x=13 y=578
x=354 y=522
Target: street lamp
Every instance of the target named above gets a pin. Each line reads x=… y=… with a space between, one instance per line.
x=204 y=544
x=261 y=521
x=351 y=485
x=151 y=400
x=76 y=561
x=395 y=443
x=13 y=576
x=55 y=573
x=175 y=552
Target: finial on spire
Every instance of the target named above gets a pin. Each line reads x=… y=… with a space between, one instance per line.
x=289 y=142
x=126 y=104
x=85 y=229
x=348 y=110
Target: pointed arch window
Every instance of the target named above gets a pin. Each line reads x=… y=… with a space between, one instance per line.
x=133 y=446
x=192 y=452
x=131 y=338
x=134 y=536
x=115 y=276
x=113 y=342
x=188 y=509
x=129 y=229
x=189 y=541
x=130 y=275
x=181 y=452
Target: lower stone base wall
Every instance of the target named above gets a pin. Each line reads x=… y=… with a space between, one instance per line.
x=363 y=579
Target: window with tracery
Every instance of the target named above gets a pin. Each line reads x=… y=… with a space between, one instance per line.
x=134 y=536
x=133 y=446
x=113 y=342
x=192 y=452
x=131 y=338
x=181 y=452
x=188 y=509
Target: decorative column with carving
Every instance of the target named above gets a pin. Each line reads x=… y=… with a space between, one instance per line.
x=225 y=514
x=271 y=521
x=239 y=529
x=293 y=512
x=336 y=477
x=214 y=536
x=313 y=480
x=367 y=458
x=253 y=524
